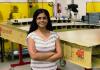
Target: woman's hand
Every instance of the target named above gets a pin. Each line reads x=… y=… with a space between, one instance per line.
x=58 y=52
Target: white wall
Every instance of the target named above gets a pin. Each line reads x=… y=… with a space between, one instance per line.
x=42 y=0
x=50 y=0
x=64 y=3
x=46 y=0
x=17 y=0
x=81 y=6
x=4 y=0
x=93 y=0
x=13 y=0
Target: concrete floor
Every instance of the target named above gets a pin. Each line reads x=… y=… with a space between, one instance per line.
x=6 y=66
x=70 y=66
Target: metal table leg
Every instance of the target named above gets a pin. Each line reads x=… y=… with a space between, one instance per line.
x=21 y=62
x=2 y=49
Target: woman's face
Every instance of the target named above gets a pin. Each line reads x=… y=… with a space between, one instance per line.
x=42 y=20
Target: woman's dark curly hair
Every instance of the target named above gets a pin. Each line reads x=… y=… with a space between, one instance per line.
x=34 y=25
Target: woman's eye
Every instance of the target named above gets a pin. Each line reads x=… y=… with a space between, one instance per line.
x=42 y=18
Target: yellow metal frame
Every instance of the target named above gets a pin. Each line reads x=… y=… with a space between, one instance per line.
x=24 y=10
x=93 y=7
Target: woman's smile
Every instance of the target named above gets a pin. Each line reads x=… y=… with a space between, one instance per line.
x=42 y=20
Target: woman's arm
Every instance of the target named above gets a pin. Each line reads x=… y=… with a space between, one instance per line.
x=58 y=52
x=34 y=54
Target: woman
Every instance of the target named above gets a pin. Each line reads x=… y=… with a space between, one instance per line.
x=43 y=43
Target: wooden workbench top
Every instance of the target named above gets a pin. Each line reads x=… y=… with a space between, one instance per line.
x=86 y=38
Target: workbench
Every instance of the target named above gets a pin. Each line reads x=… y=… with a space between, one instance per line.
x=15 y=35
x=80 y=46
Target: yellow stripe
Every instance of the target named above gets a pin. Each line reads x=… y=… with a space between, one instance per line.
x=93 y=7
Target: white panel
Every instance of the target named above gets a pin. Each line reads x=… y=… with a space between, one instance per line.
x=64 y=4
x=42 y=0
x=13 y=0
x=50 y=0
x=4 y=0
x=39 y=0
x=97 y=0
x=89 y=0
x=46 y=0
x=92 y=0
x=18 y=0
x=81 y=7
